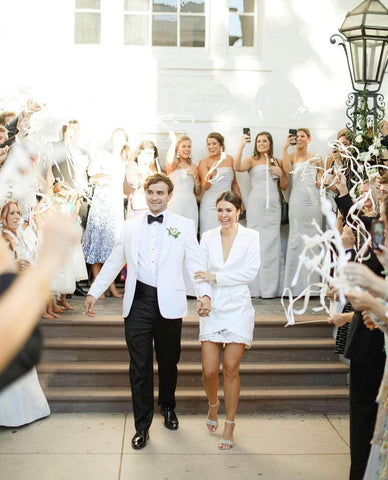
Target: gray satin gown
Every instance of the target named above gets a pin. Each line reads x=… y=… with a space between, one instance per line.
x=304 y=206
x=207 y=211
x=267 y=223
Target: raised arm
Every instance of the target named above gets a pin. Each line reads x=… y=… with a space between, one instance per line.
x=238 y=164
x=286 y=157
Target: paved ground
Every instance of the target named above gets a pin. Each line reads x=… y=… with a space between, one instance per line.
x=97 y=446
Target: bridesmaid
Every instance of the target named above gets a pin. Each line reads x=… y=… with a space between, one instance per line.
x=187 y=186
x=304 y=205
x=217 y=175
x=263 y=209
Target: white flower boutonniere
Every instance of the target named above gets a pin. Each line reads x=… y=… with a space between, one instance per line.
x=174 y=232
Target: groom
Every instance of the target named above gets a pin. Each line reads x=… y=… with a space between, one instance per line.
x=155 y=246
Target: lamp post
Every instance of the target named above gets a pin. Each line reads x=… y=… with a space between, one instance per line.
x=364 y=38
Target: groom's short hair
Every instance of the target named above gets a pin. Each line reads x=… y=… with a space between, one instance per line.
x=156 y=178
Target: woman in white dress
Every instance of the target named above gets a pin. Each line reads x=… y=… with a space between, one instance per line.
x=232 y=255
x=264 y=209
x=23 y=401
x=304 y=206
x=187 y=185
x=217 y=175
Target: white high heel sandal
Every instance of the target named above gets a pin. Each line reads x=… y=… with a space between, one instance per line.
x=226 y=444
x=213 y=424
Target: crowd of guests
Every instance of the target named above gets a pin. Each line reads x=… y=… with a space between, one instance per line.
x=98 y=189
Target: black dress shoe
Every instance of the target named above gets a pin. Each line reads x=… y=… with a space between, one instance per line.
x=170 y=419
x=140 y=438
x=79 y=292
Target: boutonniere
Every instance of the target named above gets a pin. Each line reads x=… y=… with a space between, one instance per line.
x=174 y=232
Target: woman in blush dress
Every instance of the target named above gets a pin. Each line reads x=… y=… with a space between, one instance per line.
x=304 y=206
x=232 y=255
x=187 y=186
x=106 y=214
x=144 y=162
x=263 y=209
x=217 y=175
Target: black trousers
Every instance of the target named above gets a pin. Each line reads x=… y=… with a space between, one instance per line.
x=143 y=326
x=365 y=379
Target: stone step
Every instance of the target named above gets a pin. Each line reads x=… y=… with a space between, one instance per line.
x=111 y=326
x=102 y=374
x=115 y=350
x=193 y=400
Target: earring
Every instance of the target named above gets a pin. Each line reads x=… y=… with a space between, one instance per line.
x=177 y=155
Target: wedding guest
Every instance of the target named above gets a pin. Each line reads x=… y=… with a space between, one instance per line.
x=304 y=206
x=106 y=214
x=187 y=185
x=155 y=247
x=365 y=350
x=74 y=271
x=264 y=209
x=19 y=350
x=6 y=116
x=232 y=255
x=143 y=162
x=217 y=175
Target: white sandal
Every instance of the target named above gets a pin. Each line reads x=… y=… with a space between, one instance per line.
x=224 y=443
x=213 y=424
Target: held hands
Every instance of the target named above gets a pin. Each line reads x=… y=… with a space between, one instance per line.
x=89 y=306
x=203 y=306
x=205 y=276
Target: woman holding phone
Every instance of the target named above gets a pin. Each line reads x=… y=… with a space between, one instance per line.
x=304 y=205
x=217 y=175
x=263 y=208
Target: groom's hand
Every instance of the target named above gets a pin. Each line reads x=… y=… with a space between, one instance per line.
x=203 y=306
x=89 y=304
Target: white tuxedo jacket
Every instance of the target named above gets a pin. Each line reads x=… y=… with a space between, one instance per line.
x=175 y=252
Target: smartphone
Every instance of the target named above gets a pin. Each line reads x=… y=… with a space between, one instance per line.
x=247 y=131
x=292 y=132
x=378 y=236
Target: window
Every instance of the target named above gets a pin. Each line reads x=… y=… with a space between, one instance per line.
x=164 y=23
x=241 y=23
x=87 y=21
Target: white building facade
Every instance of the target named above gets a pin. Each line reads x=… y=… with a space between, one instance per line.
x=193 y=66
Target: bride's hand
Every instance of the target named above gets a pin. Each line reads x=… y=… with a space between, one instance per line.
x=205 y=276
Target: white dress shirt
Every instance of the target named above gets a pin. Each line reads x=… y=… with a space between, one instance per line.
x=151 y=238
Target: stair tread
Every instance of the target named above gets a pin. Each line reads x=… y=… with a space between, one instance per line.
x=118 y=393
x=80 y=319
x=287 y=343
x=118 y=367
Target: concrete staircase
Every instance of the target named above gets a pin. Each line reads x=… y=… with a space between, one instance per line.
x=84 y=367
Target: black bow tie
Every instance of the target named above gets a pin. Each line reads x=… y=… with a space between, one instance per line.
x=152 y=219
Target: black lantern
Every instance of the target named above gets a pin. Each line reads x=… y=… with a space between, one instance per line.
x=366 y=31
x=365 y=42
